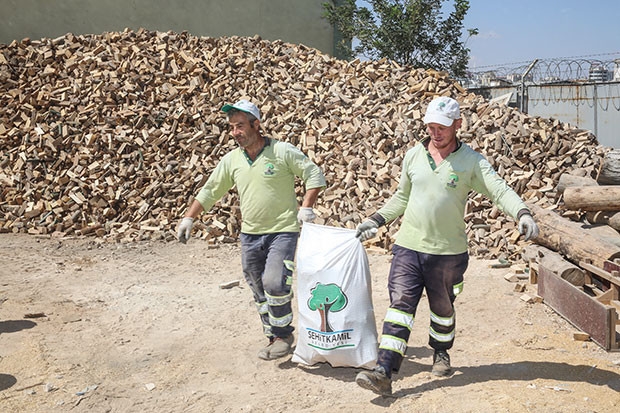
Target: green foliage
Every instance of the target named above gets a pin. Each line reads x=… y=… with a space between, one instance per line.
x=410 y=32
x=327 y=297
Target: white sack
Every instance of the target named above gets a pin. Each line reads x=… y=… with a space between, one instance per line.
x=336 y=322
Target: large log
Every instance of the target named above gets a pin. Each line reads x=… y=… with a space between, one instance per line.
x=569 y=180
x=611 y=218
x=570 y=239
x=604 y=232
x=610 y=169
x=557 y=264
x=593 y=198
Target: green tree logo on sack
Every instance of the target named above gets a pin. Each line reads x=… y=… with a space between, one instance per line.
x=327 y=299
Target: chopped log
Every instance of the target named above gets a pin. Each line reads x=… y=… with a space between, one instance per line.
x=125 y=151
x=564 y=269
x=610 y=169
x=569 y=180
x=569 y=238
x=604 y=232
x=581 y=336
x=557 y=264
x=593 y=198
x=614 y=221
x=611 y=218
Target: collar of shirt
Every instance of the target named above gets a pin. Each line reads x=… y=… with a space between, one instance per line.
x=426 y=141
x=247 y=157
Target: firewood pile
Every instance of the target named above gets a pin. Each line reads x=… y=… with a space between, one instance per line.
x=110 y=135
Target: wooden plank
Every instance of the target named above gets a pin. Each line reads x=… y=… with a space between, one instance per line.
x=581 y=310
x=600 y=273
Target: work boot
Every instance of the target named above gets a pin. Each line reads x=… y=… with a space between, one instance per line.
x=375 y=380
x=277 y=347
x=441 y=363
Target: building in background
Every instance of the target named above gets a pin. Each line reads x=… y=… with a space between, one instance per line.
x=599 y=73
x=617 y=70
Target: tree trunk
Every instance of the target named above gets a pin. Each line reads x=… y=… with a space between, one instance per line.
x=604 y=232
x=567 y=180
x=593 y=198
x=611 y=218
x=610 y=169
x=570 y=239
x=555 y=263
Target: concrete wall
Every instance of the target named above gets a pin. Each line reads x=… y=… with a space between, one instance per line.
x=293 y=21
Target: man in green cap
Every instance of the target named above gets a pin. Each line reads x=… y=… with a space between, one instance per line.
x=264 y=171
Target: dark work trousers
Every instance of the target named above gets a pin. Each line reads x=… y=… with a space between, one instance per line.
x=267 y=262
x=411 y=273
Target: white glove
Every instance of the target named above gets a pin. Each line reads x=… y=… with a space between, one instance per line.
x=185 y=229
x=306 y=214
x=367 y=230
x=528 y=227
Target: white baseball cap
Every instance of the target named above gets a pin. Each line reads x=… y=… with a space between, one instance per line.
x=244 y=106
x=442 y=110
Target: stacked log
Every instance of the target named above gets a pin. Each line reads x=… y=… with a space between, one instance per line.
x=585 y=254
x=111 y=135
x=597 y=200
x=571 y=239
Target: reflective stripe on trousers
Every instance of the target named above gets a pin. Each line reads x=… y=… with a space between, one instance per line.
x=268 y=270
x=412 y=273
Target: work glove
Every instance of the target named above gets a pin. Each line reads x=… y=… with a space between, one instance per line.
x=366 y=230
x=306 y=214
x=185 y=229
x=528 y=227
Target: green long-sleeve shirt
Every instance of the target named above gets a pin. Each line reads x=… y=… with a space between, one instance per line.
x=433 y=198
x=266 y=186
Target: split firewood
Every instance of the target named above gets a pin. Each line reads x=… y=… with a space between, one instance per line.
x=111 y=135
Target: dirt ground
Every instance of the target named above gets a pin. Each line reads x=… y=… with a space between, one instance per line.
x=89 y=326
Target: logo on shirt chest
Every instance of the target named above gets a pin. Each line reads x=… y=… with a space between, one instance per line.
x=453 y=179
x=269 y=169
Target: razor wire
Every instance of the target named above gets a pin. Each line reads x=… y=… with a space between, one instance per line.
x=579 y=81
x=544 y=71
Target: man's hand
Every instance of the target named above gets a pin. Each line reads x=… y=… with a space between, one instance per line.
x=367 y=230
x=528 y=227
x=306 y=214
x=185 y=229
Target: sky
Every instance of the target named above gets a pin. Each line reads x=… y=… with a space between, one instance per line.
x=519 y=31
x=523 y=30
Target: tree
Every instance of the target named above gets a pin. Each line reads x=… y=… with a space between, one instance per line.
x=410 y=32
x=327 y=298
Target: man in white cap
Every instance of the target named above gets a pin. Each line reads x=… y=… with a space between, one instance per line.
x=430 y=250
x=264 y=172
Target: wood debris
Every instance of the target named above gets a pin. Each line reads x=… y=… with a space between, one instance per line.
x=110 y=135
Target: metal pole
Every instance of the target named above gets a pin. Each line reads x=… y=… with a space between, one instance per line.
x=595 y=97
x=523 y=76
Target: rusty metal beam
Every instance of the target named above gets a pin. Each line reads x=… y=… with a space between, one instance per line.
x=580 y=309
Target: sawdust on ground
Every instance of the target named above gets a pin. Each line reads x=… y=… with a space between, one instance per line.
x=87 y=326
